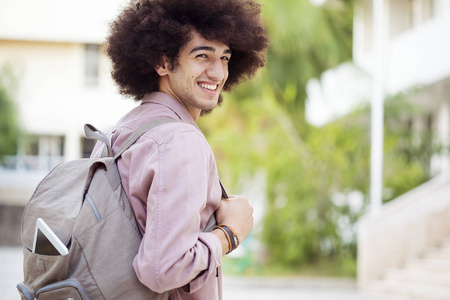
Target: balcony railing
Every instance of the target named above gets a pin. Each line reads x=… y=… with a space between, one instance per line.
x=20 y=175
x=31 y=162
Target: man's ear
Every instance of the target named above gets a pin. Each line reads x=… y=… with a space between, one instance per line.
x=163 y=67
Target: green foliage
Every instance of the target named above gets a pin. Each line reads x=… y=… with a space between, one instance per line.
x=262 y=125
x=9 y=125
x=328 y=192
x=317 y=187
x=317 y=179
x=305 y=41
x=406 y=146
x=306 y=228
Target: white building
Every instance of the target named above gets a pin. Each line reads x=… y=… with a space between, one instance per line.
x=416 y=56
x=401 y=249
x=63 y=78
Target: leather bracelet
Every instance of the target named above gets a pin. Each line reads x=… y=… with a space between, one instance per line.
x=227 y=236
x=233 y=240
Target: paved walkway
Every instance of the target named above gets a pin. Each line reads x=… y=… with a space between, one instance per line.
x=292 y=289
x=235 y=288
x=11 y=272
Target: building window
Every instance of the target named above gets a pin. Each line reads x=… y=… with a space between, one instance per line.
x=401 y=15
x=87 y=147
x=40 y=152
x=92 y=65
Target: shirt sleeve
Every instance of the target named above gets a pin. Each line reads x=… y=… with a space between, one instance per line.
x=174 y=252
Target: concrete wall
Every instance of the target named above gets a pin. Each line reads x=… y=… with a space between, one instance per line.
x=10 y=225
x=46 y=44
x=415 y=55
x=57 y=20
x=52 y=93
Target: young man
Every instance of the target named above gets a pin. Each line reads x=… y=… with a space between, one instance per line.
x=177 y=56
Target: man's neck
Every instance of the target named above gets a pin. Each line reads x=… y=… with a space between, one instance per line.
x=195 y=114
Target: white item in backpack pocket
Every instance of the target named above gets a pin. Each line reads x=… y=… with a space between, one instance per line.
x=46 y=242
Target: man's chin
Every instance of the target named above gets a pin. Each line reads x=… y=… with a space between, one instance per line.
x=205 y=112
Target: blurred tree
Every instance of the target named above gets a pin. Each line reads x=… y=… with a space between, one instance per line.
x=316 y=179
x=305 y=41
x=9 y=125
x=262 y=126
x=265 y=128
x=318 y=187
x=327 y=190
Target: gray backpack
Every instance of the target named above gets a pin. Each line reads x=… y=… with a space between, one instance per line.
x=83 y=202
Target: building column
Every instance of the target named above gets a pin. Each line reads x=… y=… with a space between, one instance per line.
x=72 y=147
x=43 y=153
x=446 y=7
x=377 y=108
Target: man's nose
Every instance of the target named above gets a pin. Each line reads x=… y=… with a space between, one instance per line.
x=217 y=70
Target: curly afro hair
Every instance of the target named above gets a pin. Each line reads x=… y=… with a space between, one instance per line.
x=147 y=30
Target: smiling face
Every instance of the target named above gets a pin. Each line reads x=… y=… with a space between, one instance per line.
x=200 y=75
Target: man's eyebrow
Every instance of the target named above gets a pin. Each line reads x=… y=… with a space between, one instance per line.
x=208 y=48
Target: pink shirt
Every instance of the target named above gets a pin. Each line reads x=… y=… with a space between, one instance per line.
x=170 y=177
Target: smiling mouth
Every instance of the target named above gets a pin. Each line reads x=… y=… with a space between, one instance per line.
x=209 y=87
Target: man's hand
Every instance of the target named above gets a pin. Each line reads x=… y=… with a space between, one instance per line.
x=236 y=213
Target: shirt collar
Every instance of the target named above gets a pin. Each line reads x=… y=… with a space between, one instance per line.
x=171 y=103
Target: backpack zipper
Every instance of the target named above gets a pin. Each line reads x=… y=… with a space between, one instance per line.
x=92 y=205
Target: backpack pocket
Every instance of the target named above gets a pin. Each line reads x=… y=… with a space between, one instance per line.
x=69 y=289
x=42 y=270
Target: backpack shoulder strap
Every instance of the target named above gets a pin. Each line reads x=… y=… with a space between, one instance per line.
x=93 y=133
x=139 y=132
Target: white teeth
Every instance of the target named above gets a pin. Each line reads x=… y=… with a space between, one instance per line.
x=208 y=86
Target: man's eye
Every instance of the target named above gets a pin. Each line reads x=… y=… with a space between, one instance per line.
x=225 y=58
x=202 y=55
